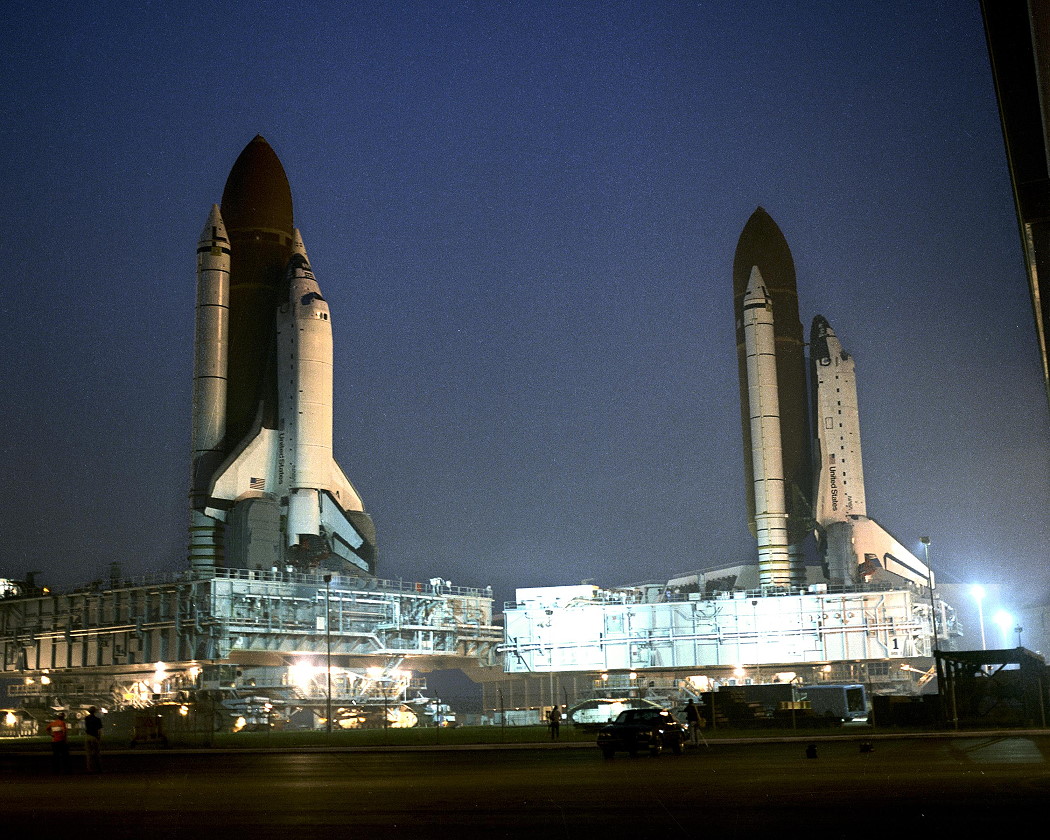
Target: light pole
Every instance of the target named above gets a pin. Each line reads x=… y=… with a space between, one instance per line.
x=978 y=595
x=328 y=646
x=929 y=577
x=1018 y=630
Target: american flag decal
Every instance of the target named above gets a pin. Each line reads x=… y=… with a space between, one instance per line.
x=257 y=484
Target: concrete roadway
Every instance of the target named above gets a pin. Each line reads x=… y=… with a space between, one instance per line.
x=905 y=787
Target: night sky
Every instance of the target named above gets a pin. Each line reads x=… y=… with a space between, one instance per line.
x=523 y=216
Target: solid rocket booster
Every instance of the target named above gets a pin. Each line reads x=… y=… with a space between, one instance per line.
x=763 y=245
x=209 y=383
x=771 y=519
x=266 y=492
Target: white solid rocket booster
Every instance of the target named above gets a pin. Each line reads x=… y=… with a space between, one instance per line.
x=774 y=563
x=209 y=382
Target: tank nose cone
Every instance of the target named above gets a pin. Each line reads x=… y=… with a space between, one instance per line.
x=257 y=195
x=763 y=244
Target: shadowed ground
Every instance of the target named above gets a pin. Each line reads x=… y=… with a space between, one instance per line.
x=903 y=786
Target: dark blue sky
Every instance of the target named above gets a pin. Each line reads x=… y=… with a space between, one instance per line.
x=524 y=217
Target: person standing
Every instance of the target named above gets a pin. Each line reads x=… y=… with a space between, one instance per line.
x=93 y=740
x=59 y=732
x=555 y=721
x=692 y=717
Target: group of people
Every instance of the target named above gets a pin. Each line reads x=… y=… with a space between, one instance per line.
x=58 y=729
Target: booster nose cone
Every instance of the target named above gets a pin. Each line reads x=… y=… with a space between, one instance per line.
x=214 y=231
x=755 y=294
x=257 y=195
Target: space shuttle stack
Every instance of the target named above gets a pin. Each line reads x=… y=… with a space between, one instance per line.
x=209 y=385
x=267 y=493
x=790 y=492
x=774 y=561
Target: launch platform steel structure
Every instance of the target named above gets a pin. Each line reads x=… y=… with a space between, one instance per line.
x=583 y=628
x=143 y=642
x=649 y=642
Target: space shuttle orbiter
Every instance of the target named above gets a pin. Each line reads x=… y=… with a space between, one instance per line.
x=267 y=493
x=855 y=547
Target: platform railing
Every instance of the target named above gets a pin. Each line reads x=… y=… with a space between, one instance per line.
x=344 y=582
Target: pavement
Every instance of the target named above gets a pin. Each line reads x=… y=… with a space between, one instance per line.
x=953 y=784
x=714 y=742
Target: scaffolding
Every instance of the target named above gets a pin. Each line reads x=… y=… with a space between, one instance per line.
x=604 y=631
x=162 y=639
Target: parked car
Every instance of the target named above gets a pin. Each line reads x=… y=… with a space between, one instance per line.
x=642 y=729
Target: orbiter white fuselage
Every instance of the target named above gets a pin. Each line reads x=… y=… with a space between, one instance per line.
x=855 y=547
x=840 y=476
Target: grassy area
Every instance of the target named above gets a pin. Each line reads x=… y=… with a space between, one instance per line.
x=463 y=735
x=420 y=737
x=347 y=738
x=434 y=737
x=399 y=737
